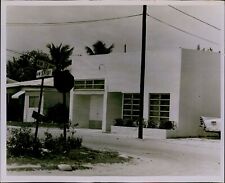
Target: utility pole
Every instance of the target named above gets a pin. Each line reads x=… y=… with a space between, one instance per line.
x=142 y=78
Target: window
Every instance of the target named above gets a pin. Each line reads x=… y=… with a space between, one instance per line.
x=159 y=106
x=90 y=84
x=131 y=105
x=33 y=101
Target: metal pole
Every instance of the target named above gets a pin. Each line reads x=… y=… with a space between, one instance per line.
x=39 y=110
x=142 y=79
x=65 y=122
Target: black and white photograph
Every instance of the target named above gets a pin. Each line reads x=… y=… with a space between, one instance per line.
x=101 y=91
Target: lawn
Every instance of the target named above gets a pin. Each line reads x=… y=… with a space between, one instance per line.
x=78 y=159
x=51 y=152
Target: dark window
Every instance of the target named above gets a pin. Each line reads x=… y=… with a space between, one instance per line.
x=131 y=105
x=90 y=84
x=33 y=101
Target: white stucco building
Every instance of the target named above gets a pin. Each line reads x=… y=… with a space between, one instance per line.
x=180 y=85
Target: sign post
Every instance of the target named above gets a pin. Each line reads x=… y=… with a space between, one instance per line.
x=42 y=74
x=64 y=82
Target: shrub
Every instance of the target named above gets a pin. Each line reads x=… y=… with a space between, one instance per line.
x=57 y=145
x=166 y=125
x=153 y=124
x=130 y=122
x=119 y=122
x=74 y=142
x=126 y=122
x=21 y=143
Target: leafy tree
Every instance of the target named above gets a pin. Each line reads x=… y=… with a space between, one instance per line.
x=99 y=48
x=60 y=56
x=25 y=67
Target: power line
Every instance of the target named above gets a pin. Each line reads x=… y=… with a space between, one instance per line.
x=13 y=51
x=194 y=17
x=71 y=22
x=184 y=31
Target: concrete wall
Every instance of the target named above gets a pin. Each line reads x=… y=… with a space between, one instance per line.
x=199 y=90
x=114 y=108
x=148 y=133
x=163 y=76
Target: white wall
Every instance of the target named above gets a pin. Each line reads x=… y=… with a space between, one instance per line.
x=122 y=72
x=199 y=90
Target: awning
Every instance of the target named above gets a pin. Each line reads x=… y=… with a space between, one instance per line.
x=16 y=95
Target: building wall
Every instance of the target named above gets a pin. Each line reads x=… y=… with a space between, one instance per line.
x=199 y=90
x=122 y=72
x=49 y=99
x=163 y=76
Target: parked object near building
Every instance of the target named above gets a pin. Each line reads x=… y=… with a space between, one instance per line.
x=210 y=124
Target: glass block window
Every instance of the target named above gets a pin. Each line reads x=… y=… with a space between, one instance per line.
x=159 y=107
x=89 y=84
x=33 y=101
x=131 y=105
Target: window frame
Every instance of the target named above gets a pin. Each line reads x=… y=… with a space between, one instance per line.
x=89 y=84
x=131 y=97
x=162 y=114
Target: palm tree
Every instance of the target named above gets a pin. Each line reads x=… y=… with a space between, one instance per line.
x=60 y=56
x=99 y=48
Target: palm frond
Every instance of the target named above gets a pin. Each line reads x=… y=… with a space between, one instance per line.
x=89 y=51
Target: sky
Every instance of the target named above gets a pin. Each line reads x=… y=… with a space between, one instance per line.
x=167 y=27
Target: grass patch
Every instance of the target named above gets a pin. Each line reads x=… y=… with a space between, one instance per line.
x=77 y=158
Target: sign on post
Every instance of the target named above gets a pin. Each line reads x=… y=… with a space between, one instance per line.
x=44 y=73
x=38 y=116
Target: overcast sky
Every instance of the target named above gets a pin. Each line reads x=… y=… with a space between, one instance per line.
x=22 y=37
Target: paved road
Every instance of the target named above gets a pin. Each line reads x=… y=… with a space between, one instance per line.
x=169 y=157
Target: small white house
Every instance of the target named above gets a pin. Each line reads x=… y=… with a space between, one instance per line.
x=23 y=99
x=180 y=85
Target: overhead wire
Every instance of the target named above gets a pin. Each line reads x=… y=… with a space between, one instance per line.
x=13 y=51
x=184 y=31
x=115 y=18
x=187 y=14
x=70 y=22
